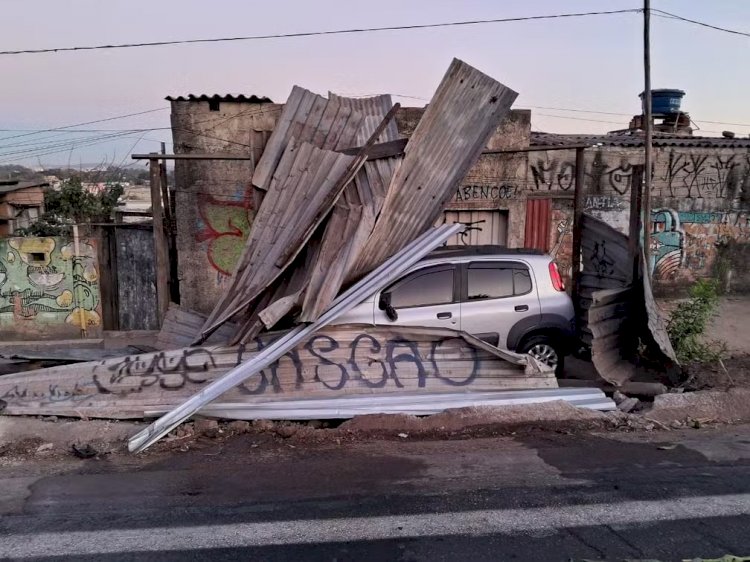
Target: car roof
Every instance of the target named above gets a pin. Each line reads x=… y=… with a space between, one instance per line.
x=485 y=250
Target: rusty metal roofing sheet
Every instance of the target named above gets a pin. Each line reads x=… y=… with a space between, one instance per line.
x=221 y=98
x=464 y=112
x=10 y=187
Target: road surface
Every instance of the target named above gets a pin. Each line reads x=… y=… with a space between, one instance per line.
x=531 y=496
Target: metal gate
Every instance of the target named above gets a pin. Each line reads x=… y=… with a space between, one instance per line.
x=486 y=227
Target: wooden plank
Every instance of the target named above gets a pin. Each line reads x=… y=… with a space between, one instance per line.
x=337 y=361
x=634 y=228
x=386 y=149
x=161 y=251
x=195 y=156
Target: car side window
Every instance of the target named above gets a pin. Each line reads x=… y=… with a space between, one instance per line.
x=489 y=280
x=426 y=287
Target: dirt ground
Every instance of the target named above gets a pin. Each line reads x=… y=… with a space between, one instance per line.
x=729 y=328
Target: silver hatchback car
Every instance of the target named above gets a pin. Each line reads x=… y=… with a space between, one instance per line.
x=513 y=299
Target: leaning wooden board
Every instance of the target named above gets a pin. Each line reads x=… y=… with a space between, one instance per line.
x=337 y=361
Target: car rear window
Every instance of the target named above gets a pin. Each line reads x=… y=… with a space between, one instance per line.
x=497 y=280
x=423 y=288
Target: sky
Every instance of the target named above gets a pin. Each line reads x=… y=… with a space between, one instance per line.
x=592 y=64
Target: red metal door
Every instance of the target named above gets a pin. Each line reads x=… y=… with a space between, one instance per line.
x=538 y=218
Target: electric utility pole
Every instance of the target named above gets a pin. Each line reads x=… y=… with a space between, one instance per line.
x=649 y=135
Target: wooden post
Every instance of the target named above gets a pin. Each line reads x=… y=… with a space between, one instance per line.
x=76 y=289
x=577 y=215
x=165 y=189
x=634 y=230
x=649 y=134
x=161 y=254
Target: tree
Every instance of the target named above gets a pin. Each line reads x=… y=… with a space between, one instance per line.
x=73 y=204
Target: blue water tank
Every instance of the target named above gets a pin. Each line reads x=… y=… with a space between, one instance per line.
x=665 y=101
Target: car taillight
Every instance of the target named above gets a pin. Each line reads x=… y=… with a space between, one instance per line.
x=554 y=275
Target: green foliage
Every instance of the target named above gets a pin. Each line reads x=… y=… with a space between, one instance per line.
x=689 y=321
x=72 y=204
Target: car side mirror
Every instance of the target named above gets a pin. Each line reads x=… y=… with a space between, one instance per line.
x=384 y=303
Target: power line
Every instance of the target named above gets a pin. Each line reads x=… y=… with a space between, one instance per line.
x=580 y=119
x=81 y=130
x=87 y=123
x=63 y=147
x=669 y=15
x=317 y=33
x=578 y=110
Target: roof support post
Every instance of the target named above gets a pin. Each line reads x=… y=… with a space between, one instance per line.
x=161 y=253
x=577 y=214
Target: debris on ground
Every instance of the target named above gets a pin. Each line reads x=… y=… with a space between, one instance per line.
x=84 y=451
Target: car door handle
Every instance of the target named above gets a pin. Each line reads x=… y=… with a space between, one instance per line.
x=522 y=308
x=444 y=315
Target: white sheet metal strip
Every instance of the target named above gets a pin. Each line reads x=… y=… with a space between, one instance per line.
x=413 y=404
x=369 y=285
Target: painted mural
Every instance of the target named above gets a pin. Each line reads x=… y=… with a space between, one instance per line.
x=700 y=200
x=225 y=225
x=48 y=289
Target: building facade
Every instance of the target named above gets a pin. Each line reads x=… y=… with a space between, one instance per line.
x=21 y=203
x=513 y=197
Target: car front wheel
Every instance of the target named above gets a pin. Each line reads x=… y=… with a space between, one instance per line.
x=545 y=350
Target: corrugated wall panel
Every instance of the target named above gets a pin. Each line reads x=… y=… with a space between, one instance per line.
x=538 y=217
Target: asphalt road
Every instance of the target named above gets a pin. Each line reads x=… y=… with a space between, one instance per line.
x=532 y=496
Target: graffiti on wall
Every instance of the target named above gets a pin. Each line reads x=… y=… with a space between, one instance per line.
x=44 y=283
x=553 y=174
x=686 y=243
x=225 y=225
x=603 y=203
x=702 y=175
x=485 y=192
x=667 y=243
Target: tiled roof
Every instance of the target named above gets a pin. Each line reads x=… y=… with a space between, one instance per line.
x=221 y=97
x=636 y=140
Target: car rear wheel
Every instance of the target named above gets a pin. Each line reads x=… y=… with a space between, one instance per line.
x=545 y=350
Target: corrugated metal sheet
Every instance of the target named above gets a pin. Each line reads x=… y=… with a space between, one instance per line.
x=409 y=404
x=180 y=326
x=221 y=97
x=637 y=140
x=310 y=118
x=369 y=285
x=353 y=219
x=537 y=226
x=655 y=322
x=464 y=112
x=605 y=263
x=611 y=324
x=305 y=183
